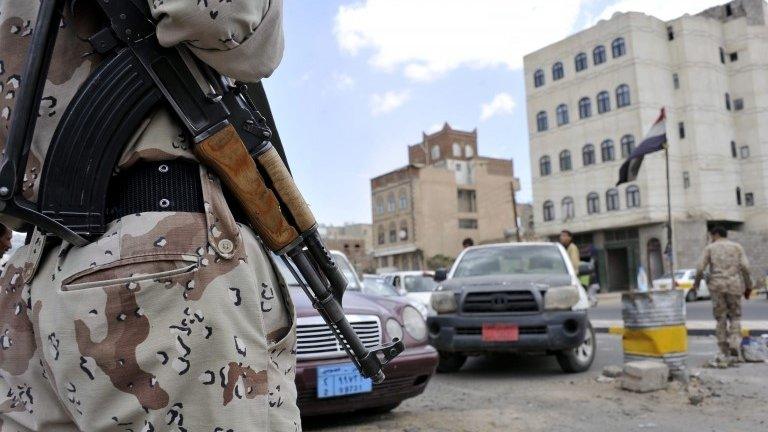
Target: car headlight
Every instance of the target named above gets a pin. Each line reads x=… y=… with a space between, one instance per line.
x=394 y=329
x=414 y=323
x=443 y=301
x=561 y=298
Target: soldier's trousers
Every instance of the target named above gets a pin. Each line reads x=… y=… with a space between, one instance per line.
x=169 y=322
x=727 y=311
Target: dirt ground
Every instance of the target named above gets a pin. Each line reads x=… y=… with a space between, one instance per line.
x=531 y=394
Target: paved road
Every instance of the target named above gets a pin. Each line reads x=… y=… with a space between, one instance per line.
x=755 y=309
x=509 y=393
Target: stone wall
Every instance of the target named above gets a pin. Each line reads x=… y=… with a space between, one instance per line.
x=756 y=246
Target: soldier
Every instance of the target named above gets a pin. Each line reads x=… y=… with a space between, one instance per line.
x=728 y=280
x=175 y=318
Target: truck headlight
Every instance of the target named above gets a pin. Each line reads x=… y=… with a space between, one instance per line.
x=394 y=329
x=443 y=302
x=414 y=323
x=561 y=298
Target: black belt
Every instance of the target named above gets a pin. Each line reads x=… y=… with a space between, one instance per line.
x=167 y=186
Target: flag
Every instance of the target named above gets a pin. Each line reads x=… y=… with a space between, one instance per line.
x=653 y=141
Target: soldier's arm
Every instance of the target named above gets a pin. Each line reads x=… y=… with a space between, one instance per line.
x=241 y=39
x=744 y=269
x=703 y=264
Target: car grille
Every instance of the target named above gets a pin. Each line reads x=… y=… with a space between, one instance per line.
x=315 y=339
x=500 y=301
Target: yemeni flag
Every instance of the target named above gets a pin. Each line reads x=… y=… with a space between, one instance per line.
x=654 y=141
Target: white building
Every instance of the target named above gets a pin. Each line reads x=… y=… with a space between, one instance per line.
x=593 y=95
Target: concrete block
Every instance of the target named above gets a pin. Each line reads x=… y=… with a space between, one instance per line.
x=612 y=371
x=645 y=376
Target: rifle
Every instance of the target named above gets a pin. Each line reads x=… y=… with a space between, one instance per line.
x=227 y=132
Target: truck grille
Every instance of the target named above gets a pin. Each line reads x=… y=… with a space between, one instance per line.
x=500 y=301
x=315 y=339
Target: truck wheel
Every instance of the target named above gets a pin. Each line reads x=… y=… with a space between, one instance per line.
x=579 y=359
x=450 y=362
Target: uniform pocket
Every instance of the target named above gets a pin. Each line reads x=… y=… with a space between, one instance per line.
x=133 y=271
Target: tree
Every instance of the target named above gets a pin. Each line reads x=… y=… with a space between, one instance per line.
x=439 y=261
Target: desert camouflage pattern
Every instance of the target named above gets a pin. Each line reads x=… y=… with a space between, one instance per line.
x=728 y=267
x=149 y=328
x=726 y=308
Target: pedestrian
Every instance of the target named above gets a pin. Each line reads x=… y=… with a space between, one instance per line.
x=728 y=280
x=174 y=319
x=468 y=242
x=566 y=239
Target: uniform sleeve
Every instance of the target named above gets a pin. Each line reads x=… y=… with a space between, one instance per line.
x=703 y=263
x=242 y=39
x=744 y=267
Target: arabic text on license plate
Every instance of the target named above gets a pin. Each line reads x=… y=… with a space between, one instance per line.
x=500 y=332
x=341 y=379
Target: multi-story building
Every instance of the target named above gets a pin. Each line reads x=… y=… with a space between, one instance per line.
x=592 y=96
x=354 y=240
x=447 y=193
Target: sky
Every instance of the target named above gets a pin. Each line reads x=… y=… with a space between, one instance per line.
x=361 y=80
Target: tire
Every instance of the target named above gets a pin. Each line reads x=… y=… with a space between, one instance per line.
x=450 y=362
x=690 y=296
x=579 y=359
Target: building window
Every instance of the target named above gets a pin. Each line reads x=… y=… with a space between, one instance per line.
x=565 y=160
x=734 y=56
x=606 y=151
x=588 y=154
x=456 y=150
x=675 y=81
x=681 y=130
x=381 y=234
x=379 y=205
x=468 y=223
x=545 y=166
x=557 y=71
x=468 y=151
x=734 y=154
x=391 y=203
x=569 y=210
x=458 y=167
x=612 y=200
x=618 y=48
x=538 y=78
x=622 y=96
x=580 y=62
x=738 y=196
x=722 y=55
x=744 y=152
x=603 y=102
x=728 y=101
x=403 y=201
x=749 y=199
x=541 y=121
x=633 y=197
x=686 y=180
x=435 y=152
x=403 y=230
x=598 y=55
x=561 y=113
x=392 y=233
x=585 y=108
x=670 y=33
x=738 y=104
x=593 y=203
x=548 y=211
x=467 y=199
x=728 y=10
x=627 y=145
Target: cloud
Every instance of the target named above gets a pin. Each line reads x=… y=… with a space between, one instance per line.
x=662 y=9
x=343 y=81
x=425 y=39
x=501 y=104
x=382 y=103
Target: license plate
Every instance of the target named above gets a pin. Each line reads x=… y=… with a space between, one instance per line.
x=500 y=332
x=340 y=380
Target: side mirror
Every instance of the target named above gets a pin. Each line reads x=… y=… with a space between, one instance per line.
x=441 y=274
x=586 y=268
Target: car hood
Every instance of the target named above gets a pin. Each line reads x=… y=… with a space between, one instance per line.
x=512 y=282
x=354 y=302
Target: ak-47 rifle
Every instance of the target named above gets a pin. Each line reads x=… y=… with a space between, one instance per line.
x=227 y=132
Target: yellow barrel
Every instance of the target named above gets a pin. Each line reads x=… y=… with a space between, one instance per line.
x=654 y=327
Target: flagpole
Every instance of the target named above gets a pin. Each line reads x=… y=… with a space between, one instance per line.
x=669 y=219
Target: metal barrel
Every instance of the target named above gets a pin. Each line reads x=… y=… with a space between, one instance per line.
x=654 y=327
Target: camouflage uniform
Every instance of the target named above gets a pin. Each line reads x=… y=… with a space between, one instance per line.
x=728 y=279
x=171 y=320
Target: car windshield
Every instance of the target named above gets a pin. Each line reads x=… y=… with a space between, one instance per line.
x=377 y=287
x=518 y=259
x=290 y=280
x=347 y=271
x=420 y=283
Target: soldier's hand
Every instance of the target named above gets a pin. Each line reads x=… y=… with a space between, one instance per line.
x=748 y=292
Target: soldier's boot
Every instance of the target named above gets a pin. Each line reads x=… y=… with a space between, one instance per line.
x=719 y=362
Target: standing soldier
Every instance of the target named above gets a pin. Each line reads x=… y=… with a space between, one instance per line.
x=728 y=280
x=174 y=319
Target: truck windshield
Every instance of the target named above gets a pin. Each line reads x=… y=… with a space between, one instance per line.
x=518 y=259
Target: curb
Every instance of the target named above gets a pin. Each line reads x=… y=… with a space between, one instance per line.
x=619 y=331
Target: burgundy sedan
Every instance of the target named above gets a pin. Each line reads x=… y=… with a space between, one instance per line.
x=327 y=381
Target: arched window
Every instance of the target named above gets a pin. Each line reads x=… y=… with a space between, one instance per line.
x=456 y=149
x=562 y=114
x=580 y=61
x=598 y=55
x=391 y=202
x=593 y=203
x=568 y=209
x=379 y=205
x=622 y=96
x=557 y=71
x=403 y=198
x=603 y=102
x=627 y=145
x=606 y=151
x=548 y=211
x=565 y=160
x=403 y=231
x=538 y=78
x=738 y=196
x=382 y=234
x=392 y=232
x=618 y=48
x=545 y=166
x=633 y=196
x=541 y=121
x=585 y=108
x=435 y=152
x=588 y=154
x=612 y=200
x=469 y=151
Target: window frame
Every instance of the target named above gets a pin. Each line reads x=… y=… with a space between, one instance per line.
x=569 y=211
x=618 y=47
x=558 y=72
x=580 y=61
x=566 y=163
x=561 y=115
x=548 y=211
x=542 y=122
x=538 y=78
x=588 y=150
x=612 y=200
x=603 y=102
x=627 y=143
x=598 y=53
x=633 y=196
x=593 y=203
x=585 y=107
x=607 y=150
x=623 y=98
x=545 y=161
